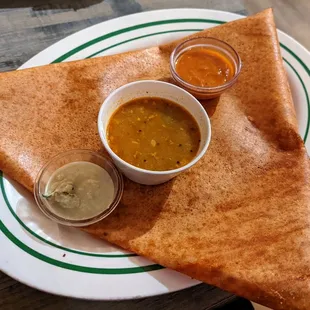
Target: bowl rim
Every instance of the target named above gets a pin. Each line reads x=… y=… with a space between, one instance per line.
x=83 y=222
x=201 y=88
x=102 y=131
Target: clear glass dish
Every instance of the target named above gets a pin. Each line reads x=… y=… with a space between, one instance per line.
x=211 y=43
x=69 y=157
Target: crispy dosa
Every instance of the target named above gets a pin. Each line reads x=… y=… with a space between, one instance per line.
x=239 y=219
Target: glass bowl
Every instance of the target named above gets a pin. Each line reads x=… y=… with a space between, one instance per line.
x=211 y=43
x=62 y=159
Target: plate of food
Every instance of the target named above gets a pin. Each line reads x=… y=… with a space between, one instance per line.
x=219 y=193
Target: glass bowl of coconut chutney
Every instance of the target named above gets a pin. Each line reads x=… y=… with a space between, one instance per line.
x=78 y=188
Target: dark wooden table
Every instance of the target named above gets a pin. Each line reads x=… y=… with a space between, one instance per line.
x=29 y=26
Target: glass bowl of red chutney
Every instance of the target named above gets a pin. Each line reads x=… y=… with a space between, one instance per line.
x=205 y=66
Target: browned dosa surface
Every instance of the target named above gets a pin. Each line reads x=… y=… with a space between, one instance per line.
x=239 y=219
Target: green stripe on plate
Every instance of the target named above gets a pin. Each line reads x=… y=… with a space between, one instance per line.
x=132 y=28
x=296 y=57
x=141 y=37
x=307 y=98
x=60 y=264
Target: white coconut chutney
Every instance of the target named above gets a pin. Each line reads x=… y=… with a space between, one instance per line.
x=79 y=190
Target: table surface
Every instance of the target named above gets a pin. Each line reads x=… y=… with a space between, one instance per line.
x=29 y=26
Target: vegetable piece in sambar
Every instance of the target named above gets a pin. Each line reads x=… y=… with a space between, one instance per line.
x=154 y=134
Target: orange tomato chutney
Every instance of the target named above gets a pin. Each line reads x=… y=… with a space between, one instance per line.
x=204 y=67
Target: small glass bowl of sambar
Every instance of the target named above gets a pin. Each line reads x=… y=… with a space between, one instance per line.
x=205 y=66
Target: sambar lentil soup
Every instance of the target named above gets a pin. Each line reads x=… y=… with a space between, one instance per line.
x=154 y=134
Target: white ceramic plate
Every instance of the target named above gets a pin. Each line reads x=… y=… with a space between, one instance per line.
x=65 y=261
